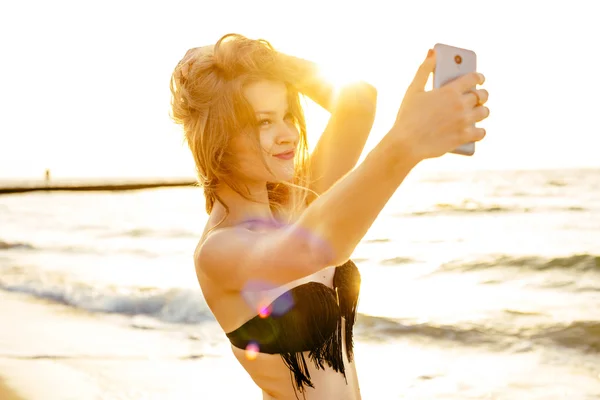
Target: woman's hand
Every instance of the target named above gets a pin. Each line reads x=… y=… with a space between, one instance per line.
x=434 y=123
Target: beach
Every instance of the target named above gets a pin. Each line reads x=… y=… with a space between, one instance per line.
x=51 y=352
x=480 y=285
x=7 y=393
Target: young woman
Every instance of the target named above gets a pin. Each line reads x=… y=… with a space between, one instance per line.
x=273 y=262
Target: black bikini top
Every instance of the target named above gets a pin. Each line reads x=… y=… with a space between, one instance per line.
x=307 y=318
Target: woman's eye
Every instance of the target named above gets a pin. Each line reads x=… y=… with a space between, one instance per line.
x=268 y=122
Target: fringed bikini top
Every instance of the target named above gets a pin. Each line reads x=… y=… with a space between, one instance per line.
x=311 y=321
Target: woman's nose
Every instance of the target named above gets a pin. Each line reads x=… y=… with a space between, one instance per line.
x=287 y=134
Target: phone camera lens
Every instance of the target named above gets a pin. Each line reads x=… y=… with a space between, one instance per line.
x=457 y=59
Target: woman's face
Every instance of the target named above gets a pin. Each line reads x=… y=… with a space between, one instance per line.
x=278 y=136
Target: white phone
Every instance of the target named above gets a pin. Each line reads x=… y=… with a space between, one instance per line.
x=450 y=63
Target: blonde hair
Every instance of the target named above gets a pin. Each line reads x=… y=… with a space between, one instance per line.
x=207 y=100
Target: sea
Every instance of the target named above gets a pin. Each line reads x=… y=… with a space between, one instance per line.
x=475 y=284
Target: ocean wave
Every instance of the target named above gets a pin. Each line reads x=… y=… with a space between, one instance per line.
x=175 y=305
x=584 y=335
x=187 y=306
x=15 y=245
x=81 y=249
x=556 y=183
x=381 y=327
x=581 y=335
x=469 y=206
x=577 y=262
x=152 y=233
x=398 y=261
x=382 y=240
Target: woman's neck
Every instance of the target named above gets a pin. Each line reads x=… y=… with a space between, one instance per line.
x=241 y=209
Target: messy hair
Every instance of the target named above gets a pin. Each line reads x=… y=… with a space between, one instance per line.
x=207 y=100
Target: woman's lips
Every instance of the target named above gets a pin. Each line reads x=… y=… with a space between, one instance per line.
x=285 y=156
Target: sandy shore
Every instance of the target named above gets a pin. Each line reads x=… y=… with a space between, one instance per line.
x=51 y=352
x=7 y=393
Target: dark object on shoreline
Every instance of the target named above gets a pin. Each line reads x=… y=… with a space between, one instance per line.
x=79 y=187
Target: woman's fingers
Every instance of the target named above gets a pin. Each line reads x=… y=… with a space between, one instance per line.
x=474 y=98
x=466 y=82
x=422 y=75
x=478 y=114
x=472 y=134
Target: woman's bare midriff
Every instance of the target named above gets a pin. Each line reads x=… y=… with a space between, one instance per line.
x=276 y=381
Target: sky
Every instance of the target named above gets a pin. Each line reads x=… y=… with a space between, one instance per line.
x=84 y=86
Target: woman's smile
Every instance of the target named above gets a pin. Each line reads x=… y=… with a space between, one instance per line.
x=288 y=155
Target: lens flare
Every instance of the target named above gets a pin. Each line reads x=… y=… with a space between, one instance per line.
x=264 y=310
x=256 y=293
x=252 y=351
